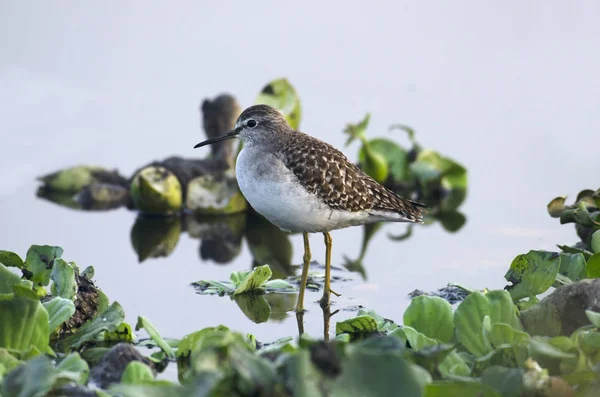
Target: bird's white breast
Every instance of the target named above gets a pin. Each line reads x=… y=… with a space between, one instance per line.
x=274 y=192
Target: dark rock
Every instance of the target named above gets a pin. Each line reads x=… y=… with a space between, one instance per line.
x=110 y=369
x=563 y=311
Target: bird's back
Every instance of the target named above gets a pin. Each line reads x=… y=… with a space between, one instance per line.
x=326 y=172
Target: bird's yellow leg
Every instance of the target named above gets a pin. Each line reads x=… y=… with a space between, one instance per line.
x=327 y=288
x=306 y=264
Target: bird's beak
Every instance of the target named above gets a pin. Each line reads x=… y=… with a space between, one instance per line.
x=229 y=135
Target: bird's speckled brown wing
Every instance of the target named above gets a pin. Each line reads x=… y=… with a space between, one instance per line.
x=325 y=171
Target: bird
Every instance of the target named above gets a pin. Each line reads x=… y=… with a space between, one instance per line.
x=304 y=185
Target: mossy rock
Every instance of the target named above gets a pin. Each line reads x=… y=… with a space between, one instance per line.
x=156 y=190
x=215 y=195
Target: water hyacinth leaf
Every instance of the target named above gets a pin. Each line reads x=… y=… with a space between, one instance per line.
x=375 y=164
x=7 y=361
x=214 y=287
x=456 y=388
x=532 y=273
x=253 y=281
x=11 y=259
x=34 y=378
x=198 y=340
x=108 y=320
x=357 y=130
x=452 y=221
x=74 y=364
x=281 y=95
x=539 y=347
x=574 y=250
x=395 y=157
x=136 y=372
x=452 y=365
x=255 y=307
x=8 y=280
x=59 y=311
x=23 y=324
x=63 y=276
x=383 y=324
x=279 y=285
x=557 y=206
x=595 y=242
x=592 y=268
x=357 y=326
x=470 y=314
x=508 y=382
x=572 y=266
x=594 y=317
x=39 y=261
x=143 y=322
x=367 y=373
x=123 y=333
x=161 y=389
x=432 y=316
x=502 y=309
x=502 y=334
x=409 y=131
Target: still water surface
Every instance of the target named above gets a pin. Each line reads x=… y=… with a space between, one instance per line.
x=510 y=91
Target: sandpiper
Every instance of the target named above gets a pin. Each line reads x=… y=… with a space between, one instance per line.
x=302 y=184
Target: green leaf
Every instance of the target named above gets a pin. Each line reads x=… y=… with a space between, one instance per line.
x=357 y=326
x=470 y=314
x=375 y=164
x=395 y=157
x=452 y=364
x=76 y=367
x=255 y=307
x=452 y=221
x=572 y=266
x=409 y=131
x=281 y=95
x=8 y=280
x=357 y=130
x=143 y=322
x=7 y=361
x=365 y=372
x=594 y=317
x=432 y=316
x=557 y=206
x=23 y=324
x=508 y=382
x=592 y=268
x=108 y=320
x=11 y=259
x=595 y=242
x=32 y=379
x=63 y=276
x=39 y=261
x=253 y=281
x=136 y=372
x=59 y=311
x=503 y=334
x=383 y=324
x=123 y=333
x=532 y=273
x=462 y=389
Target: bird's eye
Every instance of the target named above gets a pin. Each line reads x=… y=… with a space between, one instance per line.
x=251 y=123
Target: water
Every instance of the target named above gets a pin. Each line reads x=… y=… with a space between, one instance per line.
x=511 y=91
